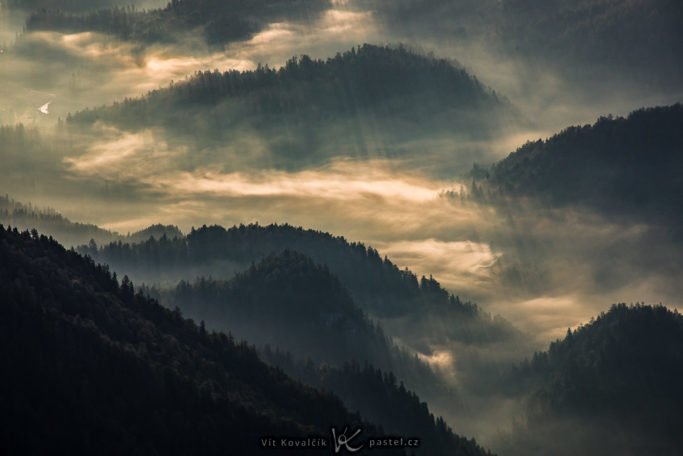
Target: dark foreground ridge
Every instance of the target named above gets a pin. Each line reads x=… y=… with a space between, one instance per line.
x=99 y=369
x=612 y=384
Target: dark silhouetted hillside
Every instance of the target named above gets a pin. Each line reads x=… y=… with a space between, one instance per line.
x=96 y=368
x=629 y=167
x=366 y=102
x=288 y=301
x=380 y=397
x=349 y=83
x=612 y=384
x=377 y=285
x=27 y=217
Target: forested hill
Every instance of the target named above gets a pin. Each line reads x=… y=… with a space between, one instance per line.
x=352 y=81
x=631 y=167
x=156 y=231
x=99 y=369
x=380 y=397
x=288 y=301
x=96 y=368
x=219 y=21
x=418 y=311
x=211 y=250
x=614 y=384
x=377 y=285
x=69 y=233
x=26 y=216
x=371 y=97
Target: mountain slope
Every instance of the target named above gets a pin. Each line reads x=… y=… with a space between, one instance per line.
x=367 y=102
x=629 y=167
x=614 y=384
x=25 y=216
x=378 y=396
x=69 y=233
x=98 y=369
x=377 y=285
x=348 y=83
x=288 y=301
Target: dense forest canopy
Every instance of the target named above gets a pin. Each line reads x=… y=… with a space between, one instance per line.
x=353 y=262
x=25 y=216
x=378 y=286
x=147 y=377
x=379 y=397
x=350 y=82
x=287 y=301
x=612 y=383
x=69 y=233
x=628 y=167
x=366 y=102
x=290 y=302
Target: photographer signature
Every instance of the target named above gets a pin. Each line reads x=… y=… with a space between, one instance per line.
x=343 y=441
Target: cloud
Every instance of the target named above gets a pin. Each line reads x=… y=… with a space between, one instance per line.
x=332 y=183
x=87 y=69
x=458 y=264
x=336 y=30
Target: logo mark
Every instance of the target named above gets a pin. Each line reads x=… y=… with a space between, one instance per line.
x=343 y=441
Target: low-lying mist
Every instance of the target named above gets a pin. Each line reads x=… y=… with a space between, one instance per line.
x=524 y=262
